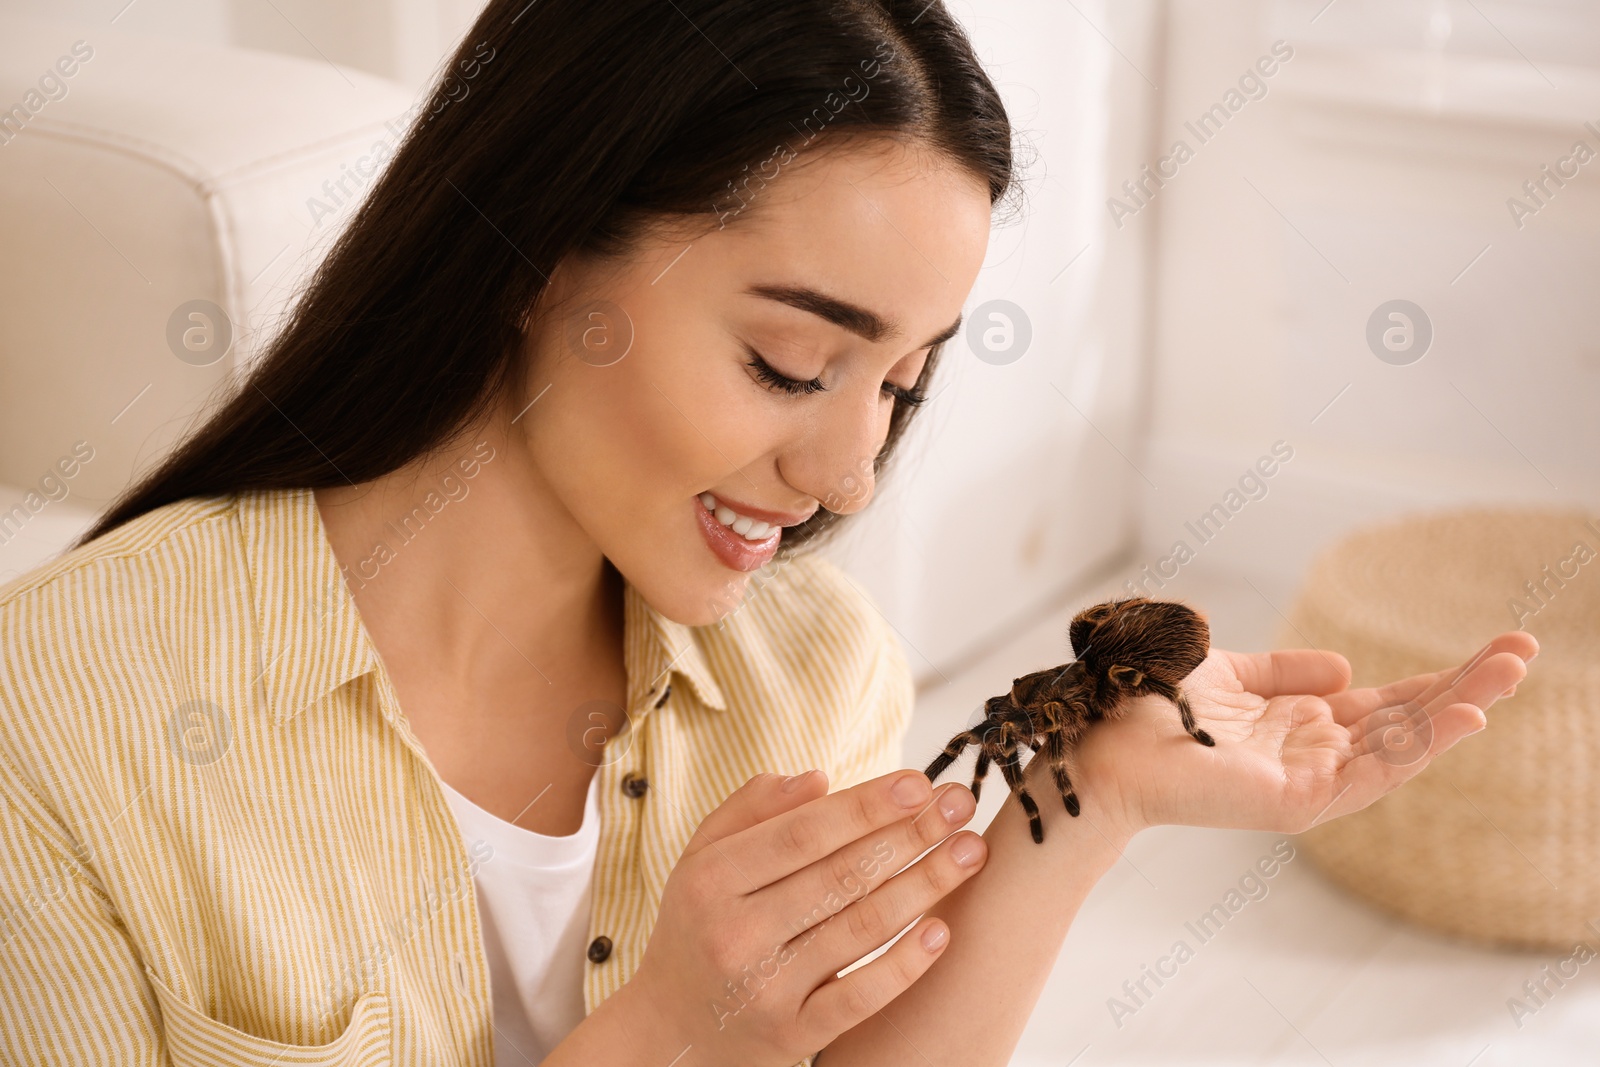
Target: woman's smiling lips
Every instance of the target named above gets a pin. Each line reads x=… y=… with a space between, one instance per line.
x=725 y=523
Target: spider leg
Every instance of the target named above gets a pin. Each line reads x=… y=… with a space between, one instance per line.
x=1013 y=773
x=997 y=732
x=957 y=745
x=1174 y=694
x=978 y=771
x=1056 y=754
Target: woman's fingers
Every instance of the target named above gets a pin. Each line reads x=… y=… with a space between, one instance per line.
x=843 y=1002
x=1381 y=768
x=1388 y=753
x=863 y=925
x=1351 y=708
x=1355 y=706
x=1291 y=671
x=757 y=800
x=799 y=837
x=830 y=884
x=1403 y=732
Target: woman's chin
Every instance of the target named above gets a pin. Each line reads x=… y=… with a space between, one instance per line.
x=698 y=593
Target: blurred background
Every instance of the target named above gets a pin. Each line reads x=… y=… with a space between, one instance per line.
x=1288 y=271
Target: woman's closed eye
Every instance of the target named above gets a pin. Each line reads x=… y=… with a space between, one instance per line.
x=783 y=383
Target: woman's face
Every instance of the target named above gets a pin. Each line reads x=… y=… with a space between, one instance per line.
x=839 y=273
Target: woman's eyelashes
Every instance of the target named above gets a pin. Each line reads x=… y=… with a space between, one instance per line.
x=912 y=397
x=783 y=383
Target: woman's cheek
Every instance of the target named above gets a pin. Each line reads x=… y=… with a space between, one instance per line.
x=710 y=421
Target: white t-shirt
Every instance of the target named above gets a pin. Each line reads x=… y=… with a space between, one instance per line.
x=533 y=898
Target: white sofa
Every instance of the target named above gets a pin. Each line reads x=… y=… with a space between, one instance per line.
x=139 y=174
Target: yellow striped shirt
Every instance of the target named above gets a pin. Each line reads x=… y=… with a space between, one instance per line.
x=222 y=842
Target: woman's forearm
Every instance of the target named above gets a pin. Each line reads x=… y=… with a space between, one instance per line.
x=1007 y=925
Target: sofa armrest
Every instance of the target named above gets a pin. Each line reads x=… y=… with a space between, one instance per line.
x=138 y=175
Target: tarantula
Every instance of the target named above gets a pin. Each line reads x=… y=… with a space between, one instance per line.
x=1123 y=648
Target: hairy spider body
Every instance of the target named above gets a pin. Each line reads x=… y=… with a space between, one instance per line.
x=1123 y=648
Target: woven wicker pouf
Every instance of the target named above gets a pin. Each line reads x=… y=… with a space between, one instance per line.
x=1497 y=840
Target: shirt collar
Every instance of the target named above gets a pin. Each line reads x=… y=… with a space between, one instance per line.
x=655 y=648
x=313 y=640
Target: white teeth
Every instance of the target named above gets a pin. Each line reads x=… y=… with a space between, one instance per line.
x=743 y=525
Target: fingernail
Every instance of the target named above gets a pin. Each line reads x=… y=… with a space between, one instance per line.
x=791 y=783
x=934 y=937
x=954 y=804
x=967 y=850
x=910 y=790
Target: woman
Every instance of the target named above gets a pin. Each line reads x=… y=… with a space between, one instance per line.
x=637 y=312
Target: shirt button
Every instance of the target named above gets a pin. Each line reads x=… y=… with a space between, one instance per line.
x=634 y=784
x=599 y=949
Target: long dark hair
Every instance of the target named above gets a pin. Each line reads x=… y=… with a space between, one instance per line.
x=584 y=122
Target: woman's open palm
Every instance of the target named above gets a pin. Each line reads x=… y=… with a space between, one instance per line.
x=1294 y=746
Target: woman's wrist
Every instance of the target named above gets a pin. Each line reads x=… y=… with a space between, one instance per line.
x=624 y=1029
x=1102 y=800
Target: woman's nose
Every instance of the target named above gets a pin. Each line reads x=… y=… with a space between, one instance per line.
x=853 y=488
x=837 y=461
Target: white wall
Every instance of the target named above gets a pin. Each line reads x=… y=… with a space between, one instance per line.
x=1378 y=166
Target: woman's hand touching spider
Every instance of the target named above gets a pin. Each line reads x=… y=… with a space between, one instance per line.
x=1294 y=746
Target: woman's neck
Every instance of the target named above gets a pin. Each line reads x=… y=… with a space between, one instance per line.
x=466 y=562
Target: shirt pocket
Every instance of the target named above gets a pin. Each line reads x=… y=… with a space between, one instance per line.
x=194 y=1039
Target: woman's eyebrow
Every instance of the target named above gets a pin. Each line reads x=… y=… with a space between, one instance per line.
x=853 y=317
